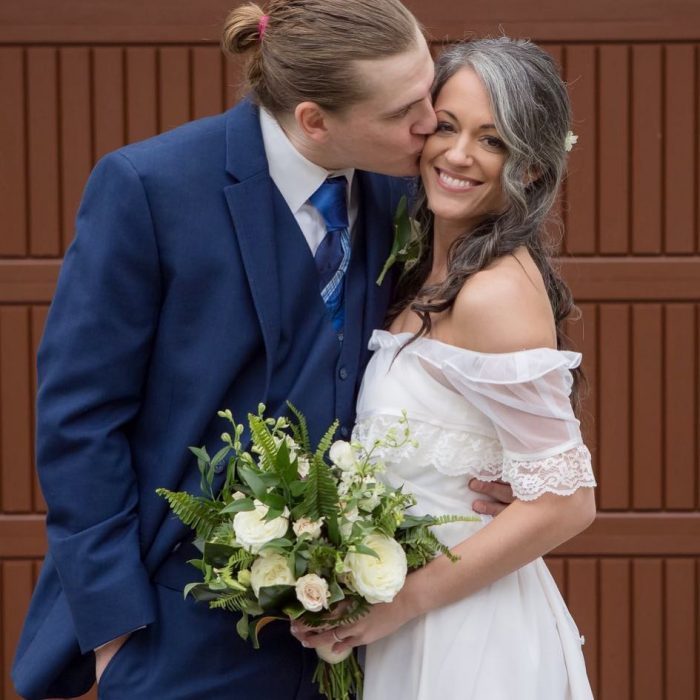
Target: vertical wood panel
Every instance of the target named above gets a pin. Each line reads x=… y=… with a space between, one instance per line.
x=108 y=90
x=141 y=93
x=679 y=193
x=13 y=175
x=15 y=421
x=647 y=619
x=76 y=132
x=17 y=584
x=207 y=77
x=680 y=424
x=38 y=320
x=174 y=86
x=647 y=416
x=681 y=622
x=580 y=209
x=582 y=599
x=614 y=406
x=615 y=642
x=44 y=184
x=614 y=163
x=647 y=149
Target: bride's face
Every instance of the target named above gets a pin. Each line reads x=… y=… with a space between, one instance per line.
x=462 y=162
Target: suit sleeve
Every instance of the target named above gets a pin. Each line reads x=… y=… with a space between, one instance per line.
x=92 y=365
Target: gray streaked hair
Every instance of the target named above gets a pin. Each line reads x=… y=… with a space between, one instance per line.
x=532 y=114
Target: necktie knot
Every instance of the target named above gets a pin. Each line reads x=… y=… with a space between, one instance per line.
x=330 y=199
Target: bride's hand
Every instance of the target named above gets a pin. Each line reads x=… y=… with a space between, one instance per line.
x=382 y=620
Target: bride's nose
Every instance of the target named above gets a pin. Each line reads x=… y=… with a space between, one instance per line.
x=460 y=154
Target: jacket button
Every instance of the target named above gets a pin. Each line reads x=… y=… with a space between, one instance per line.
x=344 y=432
x=343 y=373
x=218 y=468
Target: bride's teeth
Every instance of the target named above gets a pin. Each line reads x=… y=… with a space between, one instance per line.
x=454 y=182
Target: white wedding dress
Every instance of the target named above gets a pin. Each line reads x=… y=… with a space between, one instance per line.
x=489 y=416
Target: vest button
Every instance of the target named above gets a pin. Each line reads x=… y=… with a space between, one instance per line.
x=344 y=432
x=343 y=373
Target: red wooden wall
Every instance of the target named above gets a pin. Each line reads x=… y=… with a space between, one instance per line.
x=80 y=78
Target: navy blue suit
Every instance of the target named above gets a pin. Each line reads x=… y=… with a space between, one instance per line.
x=188 y=288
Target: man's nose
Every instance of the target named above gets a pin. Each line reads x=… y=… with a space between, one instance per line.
x=427 y=121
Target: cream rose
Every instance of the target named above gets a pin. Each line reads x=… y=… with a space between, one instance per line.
x=378 y=580
x=270 y=570
x=304 y=526
x=343 y=456
x=312 y=592
x=252 y=532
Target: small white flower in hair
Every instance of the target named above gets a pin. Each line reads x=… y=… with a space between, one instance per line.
x=570 y=141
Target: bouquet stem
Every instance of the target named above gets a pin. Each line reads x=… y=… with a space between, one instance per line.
x=341 y=680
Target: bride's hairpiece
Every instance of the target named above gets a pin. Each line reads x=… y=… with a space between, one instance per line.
x=262 y=25
x=570 y=140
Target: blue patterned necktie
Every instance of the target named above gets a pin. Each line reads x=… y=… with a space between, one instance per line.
x=333 y=254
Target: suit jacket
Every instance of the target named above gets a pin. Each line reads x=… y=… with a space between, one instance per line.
x=166 y=310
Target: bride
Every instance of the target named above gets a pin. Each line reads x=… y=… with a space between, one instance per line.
x=474 y=354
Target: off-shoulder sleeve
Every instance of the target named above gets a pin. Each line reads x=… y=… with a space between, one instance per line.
x=526 y=396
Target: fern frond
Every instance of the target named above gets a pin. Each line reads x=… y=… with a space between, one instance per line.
x=321 y=497
x=233 y=602
x=300 y=429
x=262 y=437
x=201 y=514
x=326 y=441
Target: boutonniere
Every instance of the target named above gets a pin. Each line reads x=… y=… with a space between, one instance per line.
x=406 y=247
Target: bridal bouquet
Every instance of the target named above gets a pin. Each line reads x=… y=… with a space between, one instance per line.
x=292 y=536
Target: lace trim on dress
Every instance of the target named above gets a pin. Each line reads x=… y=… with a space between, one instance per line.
x=456 y=452
x=560 y=474
x=451 y=452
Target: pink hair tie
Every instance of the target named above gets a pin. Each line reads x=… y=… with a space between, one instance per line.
x=262 y=25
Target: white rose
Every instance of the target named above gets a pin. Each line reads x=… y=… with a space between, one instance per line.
x=342 y=455
x=312 y=592
x=378 y=580
x=251 y=530
x=270 y=570
x=304 y=526
x=238 y=495
x=303 y=467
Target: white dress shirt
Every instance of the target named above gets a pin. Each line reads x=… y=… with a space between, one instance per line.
x=297 y=178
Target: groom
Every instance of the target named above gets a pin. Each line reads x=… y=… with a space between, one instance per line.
x=193 y=284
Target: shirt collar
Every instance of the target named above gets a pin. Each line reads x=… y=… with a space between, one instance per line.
x=296 y=177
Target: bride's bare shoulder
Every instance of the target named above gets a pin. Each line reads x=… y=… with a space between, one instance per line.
x=503 y=308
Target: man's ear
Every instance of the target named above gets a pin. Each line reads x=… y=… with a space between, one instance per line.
x=312 y=121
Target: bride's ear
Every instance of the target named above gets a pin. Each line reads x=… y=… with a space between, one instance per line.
x=311 y=120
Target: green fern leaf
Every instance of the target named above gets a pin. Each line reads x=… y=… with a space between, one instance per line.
x=300 y=428
x=201 y=514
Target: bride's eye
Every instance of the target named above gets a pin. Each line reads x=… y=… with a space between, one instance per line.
x=495 y=143
x=443 y=127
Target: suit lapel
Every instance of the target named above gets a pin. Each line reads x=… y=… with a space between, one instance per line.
x=250 y=202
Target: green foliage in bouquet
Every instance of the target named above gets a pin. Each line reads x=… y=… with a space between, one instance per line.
x=291 y=535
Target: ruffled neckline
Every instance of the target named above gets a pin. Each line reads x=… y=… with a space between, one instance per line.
x=507 y=367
